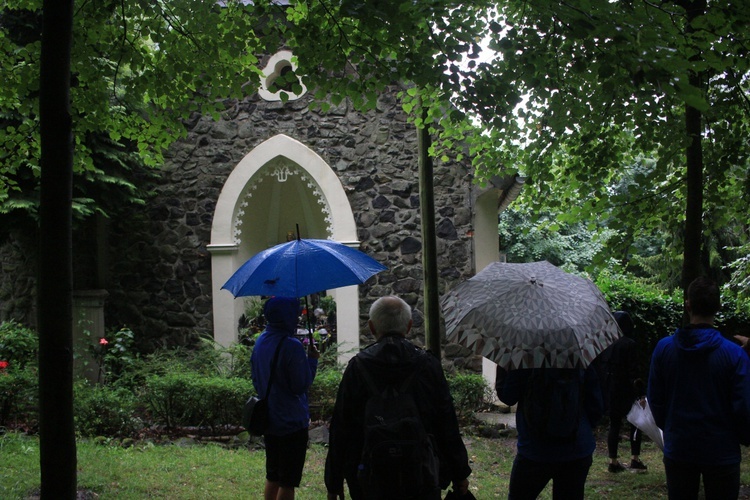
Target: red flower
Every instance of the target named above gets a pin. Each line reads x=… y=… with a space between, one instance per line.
x=103 y=341
x=3 y=364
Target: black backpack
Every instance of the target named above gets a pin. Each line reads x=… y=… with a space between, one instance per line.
x=399 y=459
x=553 y=404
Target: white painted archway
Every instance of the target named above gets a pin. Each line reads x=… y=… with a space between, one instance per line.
x=249 y=217
x=488 y=204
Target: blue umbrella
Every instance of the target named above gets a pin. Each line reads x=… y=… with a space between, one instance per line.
x=301 y=267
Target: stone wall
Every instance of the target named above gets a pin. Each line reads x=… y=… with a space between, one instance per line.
x=159 y=279
x=18 y=256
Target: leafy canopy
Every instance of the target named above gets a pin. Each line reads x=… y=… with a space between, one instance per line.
x=589 y=99
x=139 y=69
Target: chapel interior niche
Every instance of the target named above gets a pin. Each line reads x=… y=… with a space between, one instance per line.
x=280 y=197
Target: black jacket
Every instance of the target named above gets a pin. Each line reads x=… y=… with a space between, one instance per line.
x=621 y=384
x=390 y=360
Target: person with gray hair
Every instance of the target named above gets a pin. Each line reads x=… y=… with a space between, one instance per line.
x=388 y=362
x=390 y=315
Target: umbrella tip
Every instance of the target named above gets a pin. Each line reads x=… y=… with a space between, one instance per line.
x=535 y=281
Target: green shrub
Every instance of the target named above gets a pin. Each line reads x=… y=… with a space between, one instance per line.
x=655 y=313
x=19 y=395
x=194 y=399
x=470 y=393
x=207 y=358
x=203 y=359
x=236 y=361
x=322 y=395
x=18 y=345
x=101 y=410
x=734 y=317
x=120 y=354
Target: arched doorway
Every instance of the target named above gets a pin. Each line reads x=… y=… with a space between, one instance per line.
x=280 y=184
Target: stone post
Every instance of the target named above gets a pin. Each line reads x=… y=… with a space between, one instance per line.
x=88 y=329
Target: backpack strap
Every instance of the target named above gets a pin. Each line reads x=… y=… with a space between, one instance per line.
x=273 y=367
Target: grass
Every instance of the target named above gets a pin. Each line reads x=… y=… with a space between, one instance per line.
x=213 y=471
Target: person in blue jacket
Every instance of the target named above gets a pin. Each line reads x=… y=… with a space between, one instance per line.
x=699 y=393
x=540 y=458
x=289 y=414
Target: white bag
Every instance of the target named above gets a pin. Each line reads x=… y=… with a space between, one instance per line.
x=643 y=419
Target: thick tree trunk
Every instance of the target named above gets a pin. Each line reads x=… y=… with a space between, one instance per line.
x=55 y=282
x=691 y=264
x=429 y=245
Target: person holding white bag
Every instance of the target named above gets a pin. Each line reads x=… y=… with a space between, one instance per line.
x=623 y=386
x=699 y=394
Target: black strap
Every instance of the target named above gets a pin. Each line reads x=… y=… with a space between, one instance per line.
x=273 y=367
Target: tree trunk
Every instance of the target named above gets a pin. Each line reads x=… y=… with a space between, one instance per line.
x=55 y=281
x=691 y=264
x=429 y=246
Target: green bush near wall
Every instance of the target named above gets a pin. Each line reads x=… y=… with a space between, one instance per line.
x=470 y=393
x=192 y=399
x=19 y=389
x=18 y=374
x=101 y=410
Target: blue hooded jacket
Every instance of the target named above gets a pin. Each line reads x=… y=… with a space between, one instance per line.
x=288 y=408
x=699 y=393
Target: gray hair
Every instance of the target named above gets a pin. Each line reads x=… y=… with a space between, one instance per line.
x=390 y=314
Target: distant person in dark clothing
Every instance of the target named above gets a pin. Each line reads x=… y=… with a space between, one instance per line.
x=699 y=393
x=622 y=386
x=541 y=459
x=390 y=360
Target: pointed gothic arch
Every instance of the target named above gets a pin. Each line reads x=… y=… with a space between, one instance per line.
x=279 y=182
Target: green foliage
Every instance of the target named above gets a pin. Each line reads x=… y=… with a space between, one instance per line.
x=19 y=394
x=740 y=272
x=600 y=130
x=252 y=322
x=189 y=398
x=328 y=304
x=470 y=393
x=19 y=385
x=655 y=313
x=104 y=411
x=210 y=358
x=322 y=395
x=139 y=70
x=116 y=355
x=18 y=344
x=237 y=361
x=734 y=316
x=525 y=237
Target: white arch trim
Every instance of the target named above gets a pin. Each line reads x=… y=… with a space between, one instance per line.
x=224 y=250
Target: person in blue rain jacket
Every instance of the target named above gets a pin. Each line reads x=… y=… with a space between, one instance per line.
x=699 y=393
x=289 y=414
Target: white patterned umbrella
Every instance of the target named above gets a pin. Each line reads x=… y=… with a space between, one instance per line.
x=530 y=316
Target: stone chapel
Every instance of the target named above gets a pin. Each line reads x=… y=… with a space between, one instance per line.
x=240 y=184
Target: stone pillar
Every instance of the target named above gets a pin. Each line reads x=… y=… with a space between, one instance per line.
x=88 y=329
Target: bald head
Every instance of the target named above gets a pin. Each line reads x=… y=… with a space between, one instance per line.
x=390 y=315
